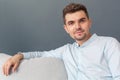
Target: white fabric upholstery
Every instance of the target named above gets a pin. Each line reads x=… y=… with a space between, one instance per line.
x=35 y=69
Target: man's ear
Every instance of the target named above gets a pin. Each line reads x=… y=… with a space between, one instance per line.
x=65 y=27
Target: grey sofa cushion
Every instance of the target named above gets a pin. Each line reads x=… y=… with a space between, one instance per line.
x=35 y=69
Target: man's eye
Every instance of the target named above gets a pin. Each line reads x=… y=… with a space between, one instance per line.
x=83 y=20
x=70 y=23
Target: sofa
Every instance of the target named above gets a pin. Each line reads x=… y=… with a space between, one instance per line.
x=35 y=69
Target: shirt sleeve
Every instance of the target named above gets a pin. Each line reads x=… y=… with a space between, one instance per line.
x=57 y=53
x=113 y=58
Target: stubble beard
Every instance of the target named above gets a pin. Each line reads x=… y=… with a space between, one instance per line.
x=80 y=38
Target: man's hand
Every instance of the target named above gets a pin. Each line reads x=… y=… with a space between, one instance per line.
x=12 y=63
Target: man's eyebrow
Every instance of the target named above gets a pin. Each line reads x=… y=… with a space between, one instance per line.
x=70 y=21
x=82 y=18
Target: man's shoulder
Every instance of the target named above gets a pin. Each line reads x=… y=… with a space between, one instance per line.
x=65 y=46
x=107 y=38
x=69 y=44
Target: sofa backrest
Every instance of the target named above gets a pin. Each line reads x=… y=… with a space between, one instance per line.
x=35 y=69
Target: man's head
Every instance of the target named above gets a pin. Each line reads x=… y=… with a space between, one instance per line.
x=77 y=22
x=73 y=7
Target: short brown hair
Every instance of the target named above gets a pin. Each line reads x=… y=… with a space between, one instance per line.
x=74 y=7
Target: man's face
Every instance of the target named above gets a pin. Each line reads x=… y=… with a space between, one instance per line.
x=78 y=25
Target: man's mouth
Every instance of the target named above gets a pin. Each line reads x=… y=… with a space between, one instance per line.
x=79 y=32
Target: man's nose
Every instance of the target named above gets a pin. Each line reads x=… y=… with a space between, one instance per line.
x=77 y=25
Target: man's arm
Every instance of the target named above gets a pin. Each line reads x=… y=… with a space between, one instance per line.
x=57 y=53
x=112 y=53
x=14 y=61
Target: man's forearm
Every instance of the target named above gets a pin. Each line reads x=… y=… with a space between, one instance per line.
x=19 y=56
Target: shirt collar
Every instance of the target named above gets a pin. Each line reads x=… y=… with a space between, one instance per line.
x=92 y=38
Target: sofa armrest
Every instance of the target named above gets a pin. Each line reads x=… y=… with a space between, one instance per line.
x=35 y=69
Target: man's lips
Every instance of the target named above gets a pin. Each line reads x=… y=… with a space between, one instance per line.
x=79 y=32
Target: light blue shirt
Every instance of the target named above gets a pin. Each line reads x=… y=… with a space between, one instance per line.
x=97 y=59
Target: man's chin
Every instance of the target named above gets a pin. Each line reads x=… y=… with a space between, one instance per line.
x=79 y=38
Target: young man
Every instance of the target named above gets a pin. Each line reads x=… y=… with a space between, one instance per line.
x=90 y=57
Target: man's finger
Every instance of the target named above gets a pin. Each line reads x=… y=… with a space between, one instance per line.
x=3 y=69
x=15 y=67
x=8 y=69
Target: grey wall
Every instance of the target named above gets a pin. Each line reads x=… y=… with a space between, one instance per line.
x=36 y=25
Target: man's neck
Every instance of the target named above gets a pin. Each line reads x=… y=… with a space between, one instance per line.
x=80 y=42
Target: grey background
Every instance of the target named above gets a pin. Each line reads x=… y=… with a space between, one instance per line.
x=37 y=25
